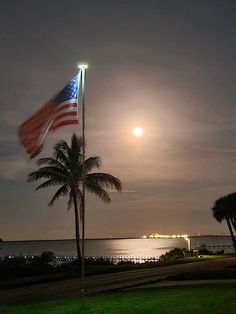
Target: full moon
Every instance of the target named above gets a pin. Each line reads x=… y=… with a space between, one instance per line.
x=137 y=132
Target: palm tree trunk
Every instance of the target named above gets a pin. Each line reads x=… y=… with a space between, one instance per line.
x=231 y=233
x=233 y=221
x=77 y=235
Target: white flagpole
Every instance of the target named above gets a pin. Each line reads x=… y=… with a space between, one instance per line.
x=83 y=68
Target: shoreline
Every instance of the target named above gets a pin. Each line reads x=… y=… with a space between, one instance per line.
x=117 y=238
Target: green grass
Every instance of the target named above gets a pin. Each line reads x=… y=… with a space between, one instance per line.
x=217 y=299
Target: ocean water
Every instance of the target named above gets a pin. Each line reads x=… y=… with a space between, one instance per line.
x=113 y=247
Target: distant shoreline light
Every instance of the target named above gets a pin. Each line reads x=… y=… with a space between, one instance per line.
x=165 y=236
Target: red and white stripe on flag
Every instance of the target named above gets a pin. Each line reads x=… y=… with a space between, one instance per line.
x=60 y=111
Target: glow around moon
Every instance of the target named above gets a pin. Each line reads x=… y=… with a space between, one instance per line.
x=137 y=132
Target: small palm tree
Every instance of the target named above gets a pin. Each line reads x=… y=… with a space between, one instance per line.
x=225 y=209
x=66 y=169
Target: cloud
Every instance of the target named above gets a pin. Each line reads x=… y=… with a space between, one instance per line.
x=217 y=150
x=11 y=118
x=123 y=191
x=13 y=167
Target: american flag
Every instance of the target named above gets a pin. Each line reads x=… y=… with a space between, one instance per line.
x=61 y=110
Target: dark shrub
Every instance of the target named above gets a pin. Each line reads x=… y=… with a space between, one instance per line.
x=47 y=257
x=172 y=255
x=204 y=251
x=125 y=262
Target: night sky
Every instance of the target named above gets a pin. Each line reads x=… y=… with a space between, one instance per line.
x=166 y=66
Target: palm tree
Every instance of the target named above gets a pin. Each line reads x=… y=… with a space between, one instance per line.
x=225 y=209
x=67 y=169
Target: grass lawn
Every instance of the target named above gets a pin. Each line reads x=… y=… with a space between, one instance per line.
x=217 y=299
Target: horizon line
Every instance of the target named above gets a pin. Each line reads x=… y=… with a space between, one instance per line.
x=114 y=238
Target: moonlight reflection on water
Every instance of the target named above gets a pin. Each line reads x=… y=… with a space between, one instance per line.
x=108 y=247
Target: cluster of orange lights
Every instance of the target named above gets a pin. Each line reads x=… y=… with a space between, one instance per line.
x=166 y=236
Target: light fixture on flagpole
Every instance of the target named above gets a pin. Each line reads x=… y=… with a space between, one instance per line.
x=83 y=66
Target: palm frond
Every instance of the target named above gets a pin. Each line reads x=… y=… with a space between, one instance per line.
x=62 y=157
x=45 y=161
x=61 y=192
x=95 y=188
x=104 y=180
x=62 y=146
x=218 y=213
x=87 y=166
x=52 y=162
x=75 y=152
x=91 y=163
x=47 y=173
x=37 y=175
x=50 y=182
x=76 y=143
x=61 y=153
x=224 y=207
